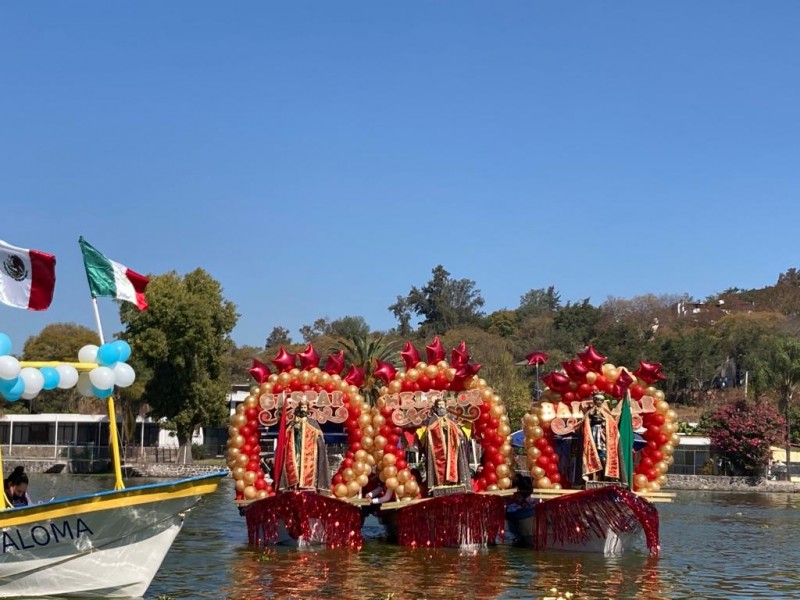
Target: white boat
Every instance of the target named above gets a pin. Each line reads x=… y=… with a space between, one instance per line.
x=108 y=544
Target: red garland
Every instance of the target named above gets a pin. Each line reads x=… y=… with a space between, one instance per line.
x=450 y=521
x=342 y=521
x=575 y=517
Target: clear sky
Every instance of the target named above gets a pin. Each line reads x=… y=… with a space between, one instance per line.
x=320 y=158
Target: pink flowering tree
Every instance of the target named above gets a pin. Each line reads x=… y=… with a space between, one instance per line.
x=742 y=433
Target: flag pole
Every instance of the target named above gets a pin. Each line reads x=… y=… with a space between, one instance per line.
x=97 y=320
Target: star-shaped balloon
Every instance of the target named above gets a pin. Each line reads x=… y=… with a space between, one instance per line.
x=649 y=372
x=385 y=371
x=259 y=371
x=355 y=376
x=558 y=382
x=592 y=359
x=459 y=356
x=537 y=358
x=624 y=381
x=334 y=363
x=575 y=369
x=284 y=361
x=308 y=358
x=410 y=355
x=435 y=351
x=467 y=371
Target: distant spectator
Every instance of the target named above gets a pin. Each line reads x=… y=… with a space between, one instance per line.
x=16 y=487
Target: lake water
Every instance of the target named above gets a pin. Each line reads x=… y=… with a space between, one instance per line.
x=714 y=545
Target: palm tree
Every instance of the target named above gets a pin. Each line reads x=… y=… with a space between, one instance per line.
x=364 y=351
x=781 y=372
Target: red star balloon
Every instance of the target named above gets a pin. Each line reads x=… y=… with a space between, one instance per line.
x=435 y=351
x=284 y=361
x=558 y=382
x=624 y=381
x=385 y=371
x=467 y=371
x=355 y=376
x=575 y=369
x=308 y=358
x=410 y=356
x=537 y=358
x=335 y=363
x=649 y=372
x=592 y=359
x=259 y=371
x=459 y=356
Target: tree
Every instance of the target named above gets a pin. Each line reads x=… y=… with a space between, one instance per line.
x=364 y=352
x=690 y=359
x=576 y=325
x=743 y=434
x=443 y=303
x=781 y=372
x=183 y=338
x=61 y=341
x=502 y=322
x=239 y=360
x=279 y=336
x=535 y=303
x=346 y=327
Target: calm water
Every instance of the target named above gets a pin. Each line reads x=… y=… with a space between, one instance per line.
x=714 y=545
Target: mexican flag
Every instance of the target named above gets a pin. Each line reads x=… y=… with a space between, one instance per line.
x=27 y=277
x=109 y=279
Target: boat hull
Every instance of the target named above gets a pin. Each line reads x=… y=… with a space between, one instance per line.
x=109 y=544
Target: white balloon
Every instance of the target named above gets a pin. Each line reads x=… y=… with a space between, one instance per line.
x=34 y=380
x=102 y=378
x=27 y=396
x=124 y=374
x=68 y=376
x=88 y=354
x=85 y=385
x=9 y=367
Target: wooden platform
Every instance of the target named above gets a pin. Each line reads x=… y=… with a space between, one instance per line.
x=549 y=494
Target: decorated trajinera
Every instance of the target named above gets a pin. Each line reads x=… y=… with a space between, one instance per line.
x=598 y=443
x=432 y=408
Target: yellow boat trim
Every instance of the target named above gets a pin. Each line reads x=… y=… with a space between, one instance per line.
x=124 y=499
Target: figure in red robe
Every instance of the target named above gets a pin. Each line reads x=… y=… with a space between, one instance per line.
x=305 y=464
x=446 y=449
x=600 y=443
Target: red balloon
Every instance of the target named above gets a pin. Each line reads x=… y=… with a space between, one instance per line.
x=569 y=397
x=459 y=356
x=592 y=359
x=259 y=371
x=308 y=358
x=584 y=390
x=656 y=455
x=662 y=439
x=348 y=462
x=260 y=484
x=401 y=464
x=337 y=479
x=491 y=477
x=651 y=445
x=656 y=419
x=651 y=474
x=646 y=463
x=541 y=443
x=384 y=371
x=410 y=356
x=285 y=361
x=467 y=371
x=649 y=372
x=253 y=465
x=543 y=461
x=537 y=358
x=424 y=383
x=435 y=351
x=334 y=364
x=251 y=413
x=555 y=477
x=355 y=376
x=652 y=432
x=637 y=391
x=557 y=382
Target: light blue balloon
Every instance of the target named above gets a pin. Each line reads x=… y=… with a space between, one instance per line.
x=123 y=348
x=17 y=388
x=6 y=385
x=10 y=397
x=51 y=377
x=102 y=393
x=107 y=355
x=5 y=344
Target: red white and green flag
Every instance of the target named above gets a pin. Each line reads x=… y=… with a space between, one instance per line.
x=109 y=279
x=27 y=277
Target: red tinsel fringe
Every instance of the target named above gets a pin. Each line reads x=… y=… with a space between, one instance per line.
x=574 y=518
x=342 y=521
x=452 y=521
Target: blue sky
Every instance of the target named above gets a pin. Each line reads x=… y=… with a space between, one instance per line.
x=321 y=158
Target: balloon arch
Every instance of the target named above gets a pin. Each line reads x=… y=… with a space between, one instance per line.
x=374 y=433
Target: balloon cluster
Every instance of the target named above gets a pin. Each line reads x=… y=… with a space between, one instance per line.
x=578 y=380
x=491 y=428
x=26 y=382
x=244 y=449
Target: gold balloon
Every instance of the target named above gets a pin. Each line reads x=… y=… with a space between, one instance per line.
x=240 y=410
x=400 y=490
x=667 y=449
x=662 y=407
x=273 y=378
x=654 y=487
x=250 y=477
x=661 y=467
x=251 y=402
x=233 y=453
x=360 y=455
x=238 y=441
x=304 y=377
x=492 y=488
x=659 y=395
x=250 y=493
x=395 y=387
x=369 y=430
x=640 y=481
x=232 y=431
x=487 y=396
x=284 y=379
x=404 y=476
x=231 y=463
x=538 y=472
x=674 y=439
x=242 y=460
x=669 y=428
x=348 y=474
x=505 y=449
x=238 y=472
x=672 y=415
x=364 y=420
x=412 y=375
x=378 y=420
x=591 y=377
x=543 y=483
x=359 y=468
x=451 y=374
x=370 y=460
x=324 y=379
x=421 y=365
x=390 y=471
x=379 y=442
x=389 y=459
x=431 y=371
x=340 y=491
x=530 y=419
x=353 y=488
x=504 y=483
x=533 y=453
x=504 y=430
x=362 y=480
x=412 y=488
x=367 y=442
x=556 y=486
x=239 y=485
x=238 y=420
x=661 y=479
x=442 y=365
x=392 y=483
x=503 y=471
x=538 y=432
x=261 y=494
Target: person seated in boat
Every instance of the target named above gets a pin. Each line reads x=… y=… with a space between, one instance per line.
x=600 y=443
x=445 y=446
x=16 y=487
x=305 y=462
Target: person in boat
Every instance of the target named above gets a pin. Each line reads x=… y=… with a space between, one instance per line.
x=445 y=445
x=16 y=487
x=600 y=443
x=305 y=463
